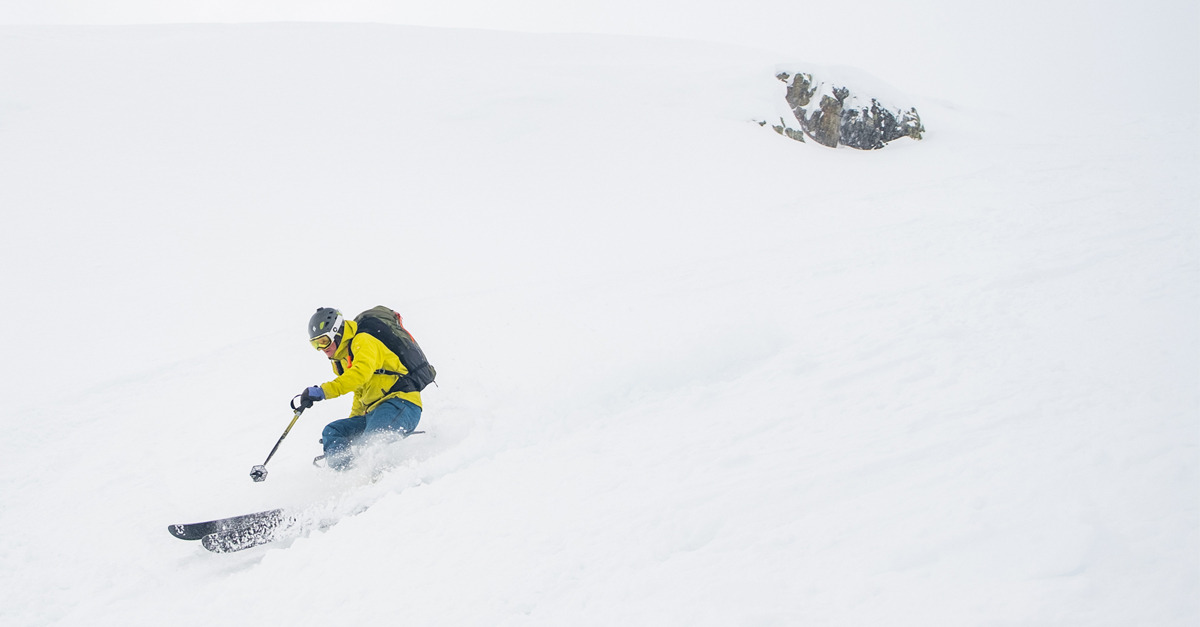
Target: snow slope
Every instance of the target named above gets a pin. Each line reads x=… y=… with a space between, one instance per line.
x=691 y=372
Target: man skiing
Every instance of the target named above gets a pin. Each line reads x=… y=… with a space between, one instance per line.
x=365 y=366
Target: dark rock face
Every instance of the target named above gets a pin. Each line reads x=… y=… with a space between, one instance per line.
x=832 y=116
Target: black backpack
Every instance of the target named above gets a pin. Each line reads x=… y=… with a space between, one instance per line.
x=387 y=326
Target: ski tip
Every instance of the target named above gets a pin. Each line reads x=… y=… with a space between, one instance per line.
x=180 y=531
x=212 y=543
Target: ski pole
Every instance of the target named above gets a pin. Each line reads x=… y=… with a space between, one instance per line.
x=259 y=472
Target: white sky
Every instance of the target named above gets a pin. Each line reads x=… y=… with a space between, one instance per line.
x=925 y=46
x=753 y=22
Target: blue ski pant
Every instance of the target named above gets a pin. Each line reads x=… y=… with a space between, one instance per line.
x=391 y=416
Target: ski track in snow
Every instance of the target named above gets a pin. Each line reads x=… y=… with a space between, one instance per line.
x=690 y=372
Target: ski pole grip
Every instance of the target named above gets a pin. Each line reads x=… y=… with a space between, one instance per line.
x=302 y=406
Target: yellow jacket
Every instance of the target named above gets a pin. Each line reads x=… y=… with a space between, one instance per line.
x=355 y=362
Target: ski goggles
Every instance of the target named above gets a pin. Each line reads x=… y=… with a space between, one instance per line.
x=321 y=342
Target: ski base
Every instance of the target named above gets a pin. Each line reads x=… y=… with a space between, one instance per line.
x=239 y=539
x=283 y=526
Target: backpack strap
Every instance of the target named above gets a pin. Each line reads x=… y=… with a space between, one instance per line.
x=337 y=365
x=404 y=382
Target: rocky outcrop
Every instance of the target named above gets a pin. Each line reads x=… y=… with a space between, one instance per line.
x=831 y=116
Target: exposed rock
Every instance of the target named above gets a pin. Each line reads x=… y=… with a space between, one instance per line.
x=838 y=118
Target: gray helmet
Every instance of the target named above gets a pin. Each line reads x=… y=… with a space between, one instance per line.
x=327 y=321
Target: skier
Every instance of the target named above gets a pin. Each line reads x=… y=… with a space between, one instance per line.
x=365 y=366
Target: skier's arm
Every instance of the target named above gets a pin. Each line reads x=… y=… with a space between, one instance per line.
x=367 y=358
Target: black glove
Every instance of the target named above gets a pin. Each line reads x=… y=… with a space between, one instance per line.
x=311 y=395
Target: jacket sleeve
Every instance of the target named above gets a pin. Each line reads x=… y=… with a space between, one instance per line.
x=367 y=359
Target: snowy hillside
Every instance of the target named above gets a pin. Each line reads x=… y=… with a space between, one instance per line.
x=691 y=372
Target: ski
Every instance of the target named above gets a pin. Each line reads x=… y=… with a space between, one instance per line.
x=282 y=526
x=235 y=533
x=197 y=531
x=232 y=540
